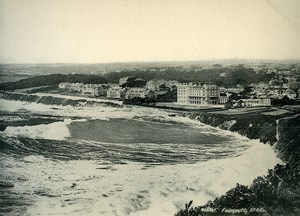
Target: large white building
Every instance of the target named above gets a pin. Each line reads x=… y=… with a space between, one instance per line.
x=200 y=94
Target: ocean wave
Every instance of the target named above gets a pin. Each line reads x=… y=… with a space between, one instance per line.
x=85 y=187
x=206 y=180
x=151 y=154
x=106 y=113
x=53 y=131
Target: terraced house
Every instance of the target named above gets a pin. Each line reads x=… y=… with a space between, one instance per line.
x=94 y=90
x=115 y=92
x=139 y=93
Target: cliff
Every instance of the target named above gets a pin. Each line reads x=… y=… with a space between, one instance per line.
x=282 y=131
x=277 y=193
x=288 y=145
x=253 y=126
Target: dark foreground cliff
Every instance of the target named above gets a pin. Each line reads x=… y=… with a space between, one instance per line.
x=277 y=193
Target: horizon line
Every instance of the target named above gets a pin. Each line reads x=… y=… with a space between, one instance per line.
x=155 y=61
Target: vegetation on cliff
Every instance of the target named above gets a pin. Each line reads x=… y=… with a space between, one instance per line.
x=277 y=193
x=274 y=194
x=253 y=126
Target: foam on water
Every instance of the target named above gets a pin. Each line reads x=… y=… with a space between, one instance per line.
x=78 y=98
x=104 y=113
x=88 y=187
x=85 y=187
x=99 y=112
x=206 y=180
x=53 y=131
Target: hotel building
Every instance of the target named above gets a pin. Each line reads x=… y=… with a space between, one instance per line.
x=200 y=94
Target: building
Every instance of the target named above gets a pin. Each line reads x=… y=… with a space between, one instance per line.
x=89 y=89
x=139 y=93
x=200 y=94
x=253 y=102
x=76 y=87
x=94 y=90
x=115 y=92
x=257 y=102
x=223 y=98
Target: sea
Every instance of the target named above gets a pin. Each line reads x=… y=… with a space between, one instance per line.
x=102 y=160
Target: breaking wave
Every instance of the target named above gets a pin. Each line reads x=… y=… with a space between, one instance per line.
x=53 y=131
x=205 y=181
x=87 y=187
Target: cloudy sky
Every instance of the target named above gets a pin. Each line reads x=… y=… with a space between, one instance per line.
x=95 y=31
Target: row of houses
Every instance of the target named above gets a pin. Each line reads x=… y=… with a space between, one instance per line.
x=290 y=89
x=118 y=92
x=86 y=89
x=197 y=94
x=110 y=91
x=250 y=102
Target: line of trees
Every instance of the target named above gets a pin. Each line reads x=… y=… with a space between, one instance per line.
x=232 y=76
x=52 y=79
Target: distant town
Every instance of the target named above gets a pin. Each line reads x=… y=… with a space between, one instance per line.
x=284 y=84
x=175 y=84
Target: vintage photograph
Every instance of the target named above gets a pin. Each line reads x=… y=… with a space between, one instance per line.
x=149 y=107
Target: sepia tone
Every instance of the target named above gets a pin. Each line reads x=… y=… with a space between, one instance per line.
x=139 y=107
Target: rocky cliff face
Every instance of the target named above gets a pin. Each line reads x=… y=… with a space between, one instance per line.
x=277 y=193
x=253 y=126
x=281 y=131
x=288 y=134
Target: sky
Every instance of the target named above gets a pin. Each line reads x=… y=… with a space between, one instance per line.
x=99 y=31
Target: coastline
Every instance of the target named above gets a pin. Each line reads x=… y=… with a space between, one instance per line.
x=273 y=194
x=276 y=193
x=270 y=129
